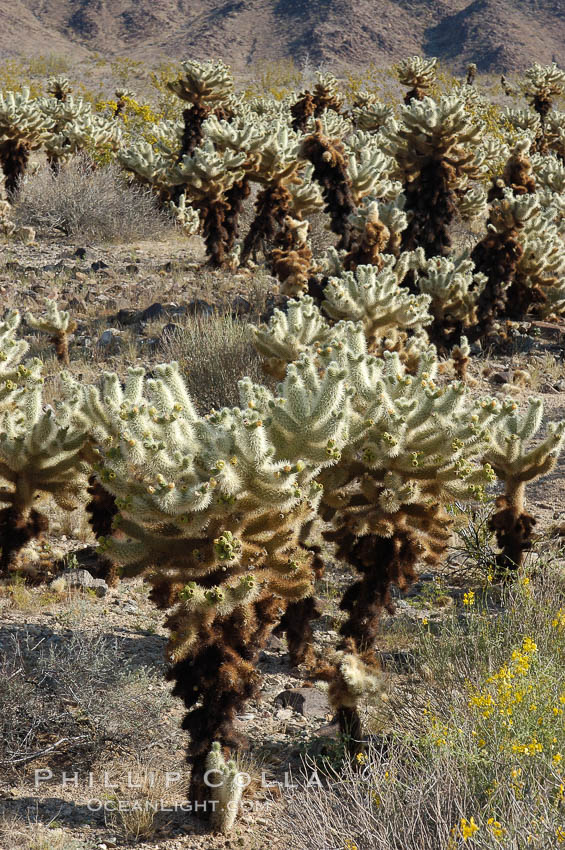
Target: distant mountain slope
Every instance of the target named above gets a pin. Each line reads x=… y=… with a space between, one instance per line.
x=500 y=35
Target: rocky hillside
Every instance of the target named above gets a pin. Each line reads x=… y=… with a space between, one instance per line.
x=500 y=35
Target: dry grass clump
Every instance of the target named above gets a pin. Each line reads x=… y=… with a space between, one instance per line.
x=89 y=202
x=73 y=695
x=18 y=834
x=476 y=743
x=215 y=352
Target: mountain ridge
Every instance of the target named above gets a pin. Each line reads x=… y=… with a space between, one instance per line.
x=499 y=35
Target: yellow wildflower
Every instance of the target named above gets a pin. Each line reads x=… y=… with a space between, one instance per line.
x=468 y=828
x=469 y=598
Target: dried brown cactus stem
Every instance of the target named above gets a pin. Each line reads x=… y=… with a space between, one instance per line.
x=271 y=208
x=382 y=561
x=193 y=118
x=101 y=510
x=513 y=527
x=213 y=215
x=235 y=198
x=497 y=257
x=18 y=526
x=220 y=674
x=301 y=111
x=431 y=201
x=14 y=157
x=330 y=170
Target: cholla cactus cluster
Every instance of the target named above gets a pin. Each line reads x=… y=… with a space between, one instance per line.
x=360 y=442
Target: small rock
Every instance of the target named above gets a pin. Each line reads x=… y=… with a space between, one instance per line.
x=275 y=644
x=171 y=328
x=111 y=336
x=240 y=305
x=198 y=307
x=500 y=377
x=152 y=312
x=283 y=714
x=310 y=702
x=128 y=316
x=83 y=580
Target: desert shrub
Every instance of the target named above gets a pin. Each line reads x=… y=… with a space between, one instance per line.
x=475 y=755
x=215 y=352
x=77 y=694
x=89 y=203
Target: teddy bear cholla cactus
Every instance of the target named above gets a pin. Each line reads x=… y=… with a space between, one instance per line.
x=185 y=216
x=436 y=150
x=376 y=300
x=453 y=288
x=497 y=257
x=376 y=228
x=211 y=510
x=419 y=75
x=516 y=463
x=40 y=457
x=22 y=128
x=412 y=448
x=330 y=168
x=325 y=96
x=58 y=324
x=543 y=84
x=208 y=176
x=72 y=126
x=274 y=167
x=206 y=86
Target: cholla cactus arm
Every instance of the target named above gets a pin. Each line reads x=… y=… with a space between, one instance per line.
x=375 y=299
x=149 y=166
x=371 y=115
x=21 y=131
x=369 y=173
x=59 y=325
x=59 y=87
x=419 y=75
x=13 y=372
x=352 y=677
x=185 y=216
x=376 y=228
x=290 y=334
x=228 y=788
x=516 y=463
x=472 y=204
x=306 y=198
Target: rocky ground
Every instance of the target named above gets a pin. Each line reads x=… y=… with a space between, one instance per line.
x=131 y=304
